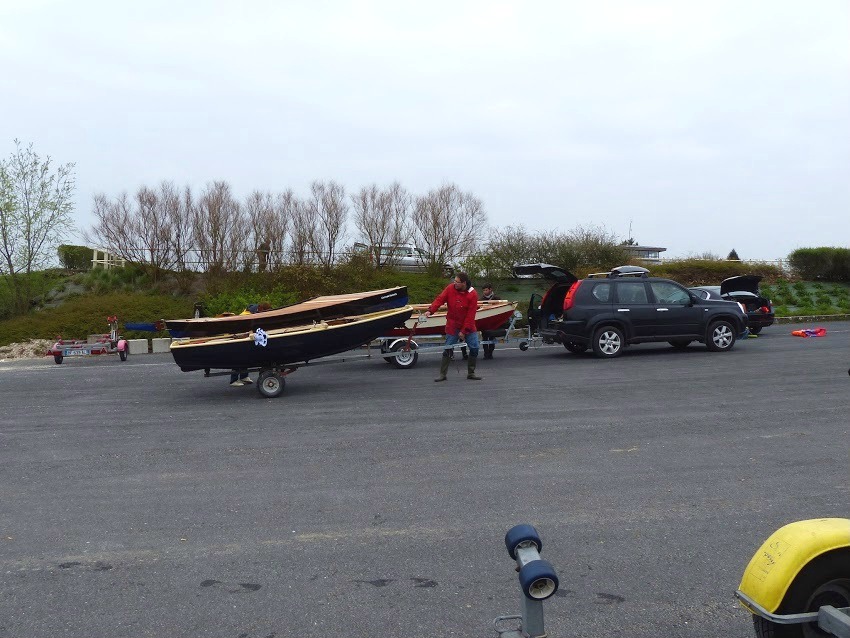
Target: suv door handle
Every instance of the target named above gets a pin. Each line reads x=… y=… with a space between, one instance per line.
x=662 y=309
x=622 y=309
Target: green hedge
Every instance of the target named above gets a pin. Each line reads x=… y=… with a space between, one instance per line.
x=75 y=257
x=81 y=316
x=705 y=272
x=821 y=264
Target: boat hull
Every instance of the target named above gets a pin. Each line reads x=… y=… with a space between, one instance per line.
x=316 y=309
x=284 y=346
x=491 y=315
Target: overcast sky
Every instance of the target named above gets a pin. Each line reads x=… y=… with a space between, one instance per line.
x=705 y=125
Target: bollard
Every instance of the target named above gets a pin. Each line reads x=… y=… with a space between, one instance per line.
x=537 y=580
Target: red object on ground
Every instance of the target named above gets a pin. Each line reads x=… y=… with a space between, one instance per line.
x=809 y=332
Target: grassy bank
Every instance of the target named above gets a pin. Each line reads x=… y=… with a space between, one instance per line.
x=75 y=305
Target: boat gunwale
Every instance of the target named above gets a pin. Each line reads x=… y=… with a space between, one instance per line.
x=316 y=326
x=316 y=304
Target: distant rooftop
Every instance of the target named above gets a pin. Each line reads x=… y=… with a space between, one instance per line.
x=650 y=254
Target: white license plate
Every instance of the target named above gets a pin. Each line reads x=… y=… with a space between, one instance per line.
x=71 y=353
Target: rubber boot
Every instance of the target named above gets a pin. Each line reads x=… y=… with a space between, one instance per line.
x=444 y=368
x=470 y=369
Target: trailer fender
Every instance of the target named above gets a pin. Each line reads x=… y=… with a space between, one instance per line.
x=779 y=560
x=122 y=345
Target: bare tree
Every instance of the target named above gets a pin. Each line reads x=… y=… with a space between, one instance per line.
x=382 y=217
x=219 y=228
x=258 y=208
x=448 y=223
x=178 y=209
x=597 y=247
x=110 y=231
x=153 y=229
x=35 y=214
x=150 y=229
x=303 y=229
x=285 y=205
x=505 y=248
x=330 y=211
x=268 y=219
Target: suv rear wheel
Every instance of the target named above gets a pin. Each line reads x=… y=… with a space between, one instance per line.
x=721 y=336
x=575 y=348
x=608 y=342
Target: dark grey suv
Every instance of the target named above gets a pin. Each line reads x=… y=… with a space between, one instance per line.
x=612 y=310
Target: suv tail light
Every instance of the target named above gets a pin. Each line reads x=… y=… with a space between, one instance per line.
x=765 y=309
x=569 y=300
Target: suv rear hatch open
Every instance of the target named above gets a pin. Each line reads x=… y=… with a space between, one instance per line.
x=549 y=271
x=742 y=283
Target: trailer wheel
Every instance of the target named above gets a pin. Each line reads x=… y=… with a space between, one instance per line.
x=385 y=349
x=122 y=354
x=270 y=384
x=524 y=346
x=538 y=580
x=58 y=358
x=405 y=357
x=520 y=535
x=824 y=581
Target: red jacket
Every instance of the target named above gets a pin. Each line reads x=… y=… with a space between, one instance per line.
x=462 y=306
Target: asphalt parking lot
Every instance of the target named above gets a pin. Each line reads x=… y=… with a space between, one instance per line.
x=137 y=500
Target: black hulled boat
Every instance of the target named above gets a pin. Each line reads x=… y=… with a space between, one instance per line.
x=269 y=348
x=315 y=309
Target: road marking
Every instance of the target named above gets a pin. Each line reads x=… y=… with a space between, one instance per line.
x=53 y=366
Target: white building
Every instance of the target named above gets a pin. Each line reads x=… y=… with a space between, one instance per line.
x=649 y=254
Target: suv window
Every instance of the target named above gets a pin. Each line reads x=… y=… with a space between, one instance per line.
x=631 y=292
x=602 y=292
x=667 y=292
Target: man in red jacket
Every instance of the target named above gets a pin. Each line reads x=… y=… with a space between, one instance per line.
x=462 y=303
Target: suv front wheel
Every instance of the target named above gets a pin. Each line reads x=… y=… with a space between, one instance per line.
x=608 y=342
x=721 y=336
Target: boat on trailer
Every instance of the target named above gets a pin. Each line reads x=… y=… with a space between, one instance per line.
x=490 y=315
x=278 y=351
x=316 y=309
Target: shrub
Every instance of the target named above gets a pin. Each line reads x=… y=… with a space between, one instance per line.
x=824 y=263
x=84 y=315
x=696 y=272
x=237 y=301
x=75 y=257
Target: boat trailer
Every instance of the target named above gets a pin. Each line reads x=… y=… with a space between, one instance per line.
x=403 y=352
x=271 y=380
x=109 y=343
